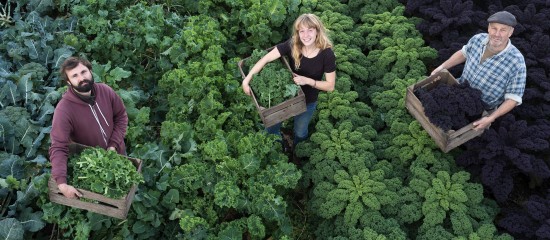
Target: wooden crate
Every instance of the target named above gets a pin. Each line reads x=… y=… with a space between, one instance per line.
x=445 y=140
x=117 y=208
x=282 y=111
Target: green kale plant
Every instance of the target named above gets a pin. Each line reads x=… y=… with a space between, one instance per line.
x=272 y=85
x=104 y=172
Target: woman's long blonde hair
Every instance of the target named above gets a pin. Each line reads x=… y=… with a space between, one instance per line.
x=321 y=40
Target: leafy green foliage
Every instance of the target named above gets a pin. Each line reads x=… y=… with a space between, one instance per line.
x=387 y=24
x=261 y=21
x=139 y=123
x=272 y=85
x=209 y=170
x=16 y=130
x=11 y=229
x=342 y=29
x=30 y=52
x=104 y=172
x=27 y=108
x=36 y=39
x=372 y=7
x=136 y=37
x=396 y=49
x=354 y=194
x=351 y=61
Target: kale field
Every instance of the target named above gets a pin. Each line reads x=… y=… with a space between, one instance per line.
x=368 y=170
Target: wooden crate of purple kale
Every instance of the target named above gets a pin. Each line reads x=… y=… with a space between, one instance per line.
x=445 y=109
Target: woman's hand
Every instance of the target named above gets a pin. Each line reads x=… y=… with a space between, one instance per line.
x=270 y=56
x=301 y=80
x=246 y=88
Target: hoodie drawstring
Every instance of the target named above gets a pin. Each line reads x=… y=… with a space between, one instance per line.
x=104 y=135
x=100 y=112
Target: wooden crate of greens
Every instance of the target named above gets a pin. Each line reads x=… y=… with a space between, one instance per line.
x=117 y=208
x=272 y=115
x=445 y=140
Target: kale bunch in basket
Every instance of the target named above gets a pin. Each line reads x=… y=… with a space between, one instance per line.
x=104 y=172
x=273 y=84
x=451 y=106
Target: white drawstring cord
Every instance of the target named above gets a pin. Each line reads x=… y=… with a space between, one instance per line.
x=103 y=134
x=100 y=112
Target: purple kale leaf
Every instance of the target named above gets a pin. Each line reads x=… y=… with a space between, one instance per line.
x=509 y=150
x=448 y=14
x=451 y=106
x=530 y=220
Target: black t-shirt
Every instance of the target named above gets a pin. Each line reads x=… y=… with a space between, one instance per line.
x=314 y=68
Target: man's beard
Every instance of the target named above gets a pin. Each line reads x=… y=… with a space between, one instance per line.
x=84 y=85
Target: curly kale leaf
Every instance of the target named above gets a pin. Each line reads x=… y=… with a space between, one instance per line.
x=451 y=106
x=390 y=24
x=530 y=220
x=443 y=194
x=376 y=7
x=354 y=194
x=536 y=99
x=449 y=14
x=402 y=56
x=273 y=84
x=342 y=29
x=506 y=151
x=351 y=61
x=332 y=148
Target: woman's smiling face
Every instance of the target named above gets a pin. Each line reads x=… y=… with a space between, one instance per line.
x=307 y=35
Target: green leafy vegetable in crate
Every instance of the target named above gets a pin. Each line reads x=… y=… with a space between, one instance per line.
x=272 y=85
x=104 y=172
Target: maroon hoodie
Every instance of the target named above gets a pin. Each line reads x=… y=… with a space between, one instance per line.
x=102 y=124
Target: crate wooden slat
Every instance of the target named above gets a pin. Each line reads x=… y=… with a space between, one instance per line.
x=282 y=111
x=117 y=208
x=445 y=140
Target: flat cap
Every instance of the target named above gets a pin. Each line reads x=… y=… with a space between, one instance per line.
x=503 y=17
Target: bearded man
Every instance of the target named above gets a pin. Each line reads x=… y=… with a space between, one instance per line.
x=494 y=66
x=89 y=113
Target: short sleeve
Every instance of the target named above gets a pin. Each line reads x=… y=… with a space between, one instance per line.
x=329 y=61
x=466 y=47
x=284 y=48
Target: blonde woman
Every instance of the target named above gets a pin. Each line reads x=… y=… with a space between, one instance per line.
x=310 y=56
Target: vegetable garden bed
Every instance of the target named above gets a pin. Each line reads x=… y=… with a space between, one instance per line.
x=99 y=203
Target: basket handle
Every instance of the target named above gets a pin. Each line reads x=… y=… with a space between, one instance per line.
x=240 y=64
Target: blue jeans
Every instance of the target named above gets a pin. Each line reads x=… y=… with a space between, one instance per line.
x=301 y=123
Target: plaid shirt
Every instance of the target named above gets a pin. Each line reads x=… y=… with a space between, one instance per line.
x=499 y=77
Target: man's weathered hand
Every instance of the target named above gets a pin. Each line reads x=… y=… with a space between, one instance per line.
x=438 y=69
x=483 y=123
x=69 y=191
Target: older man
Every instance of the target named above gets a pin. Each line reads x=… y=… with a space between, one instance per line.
x=494 y=66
